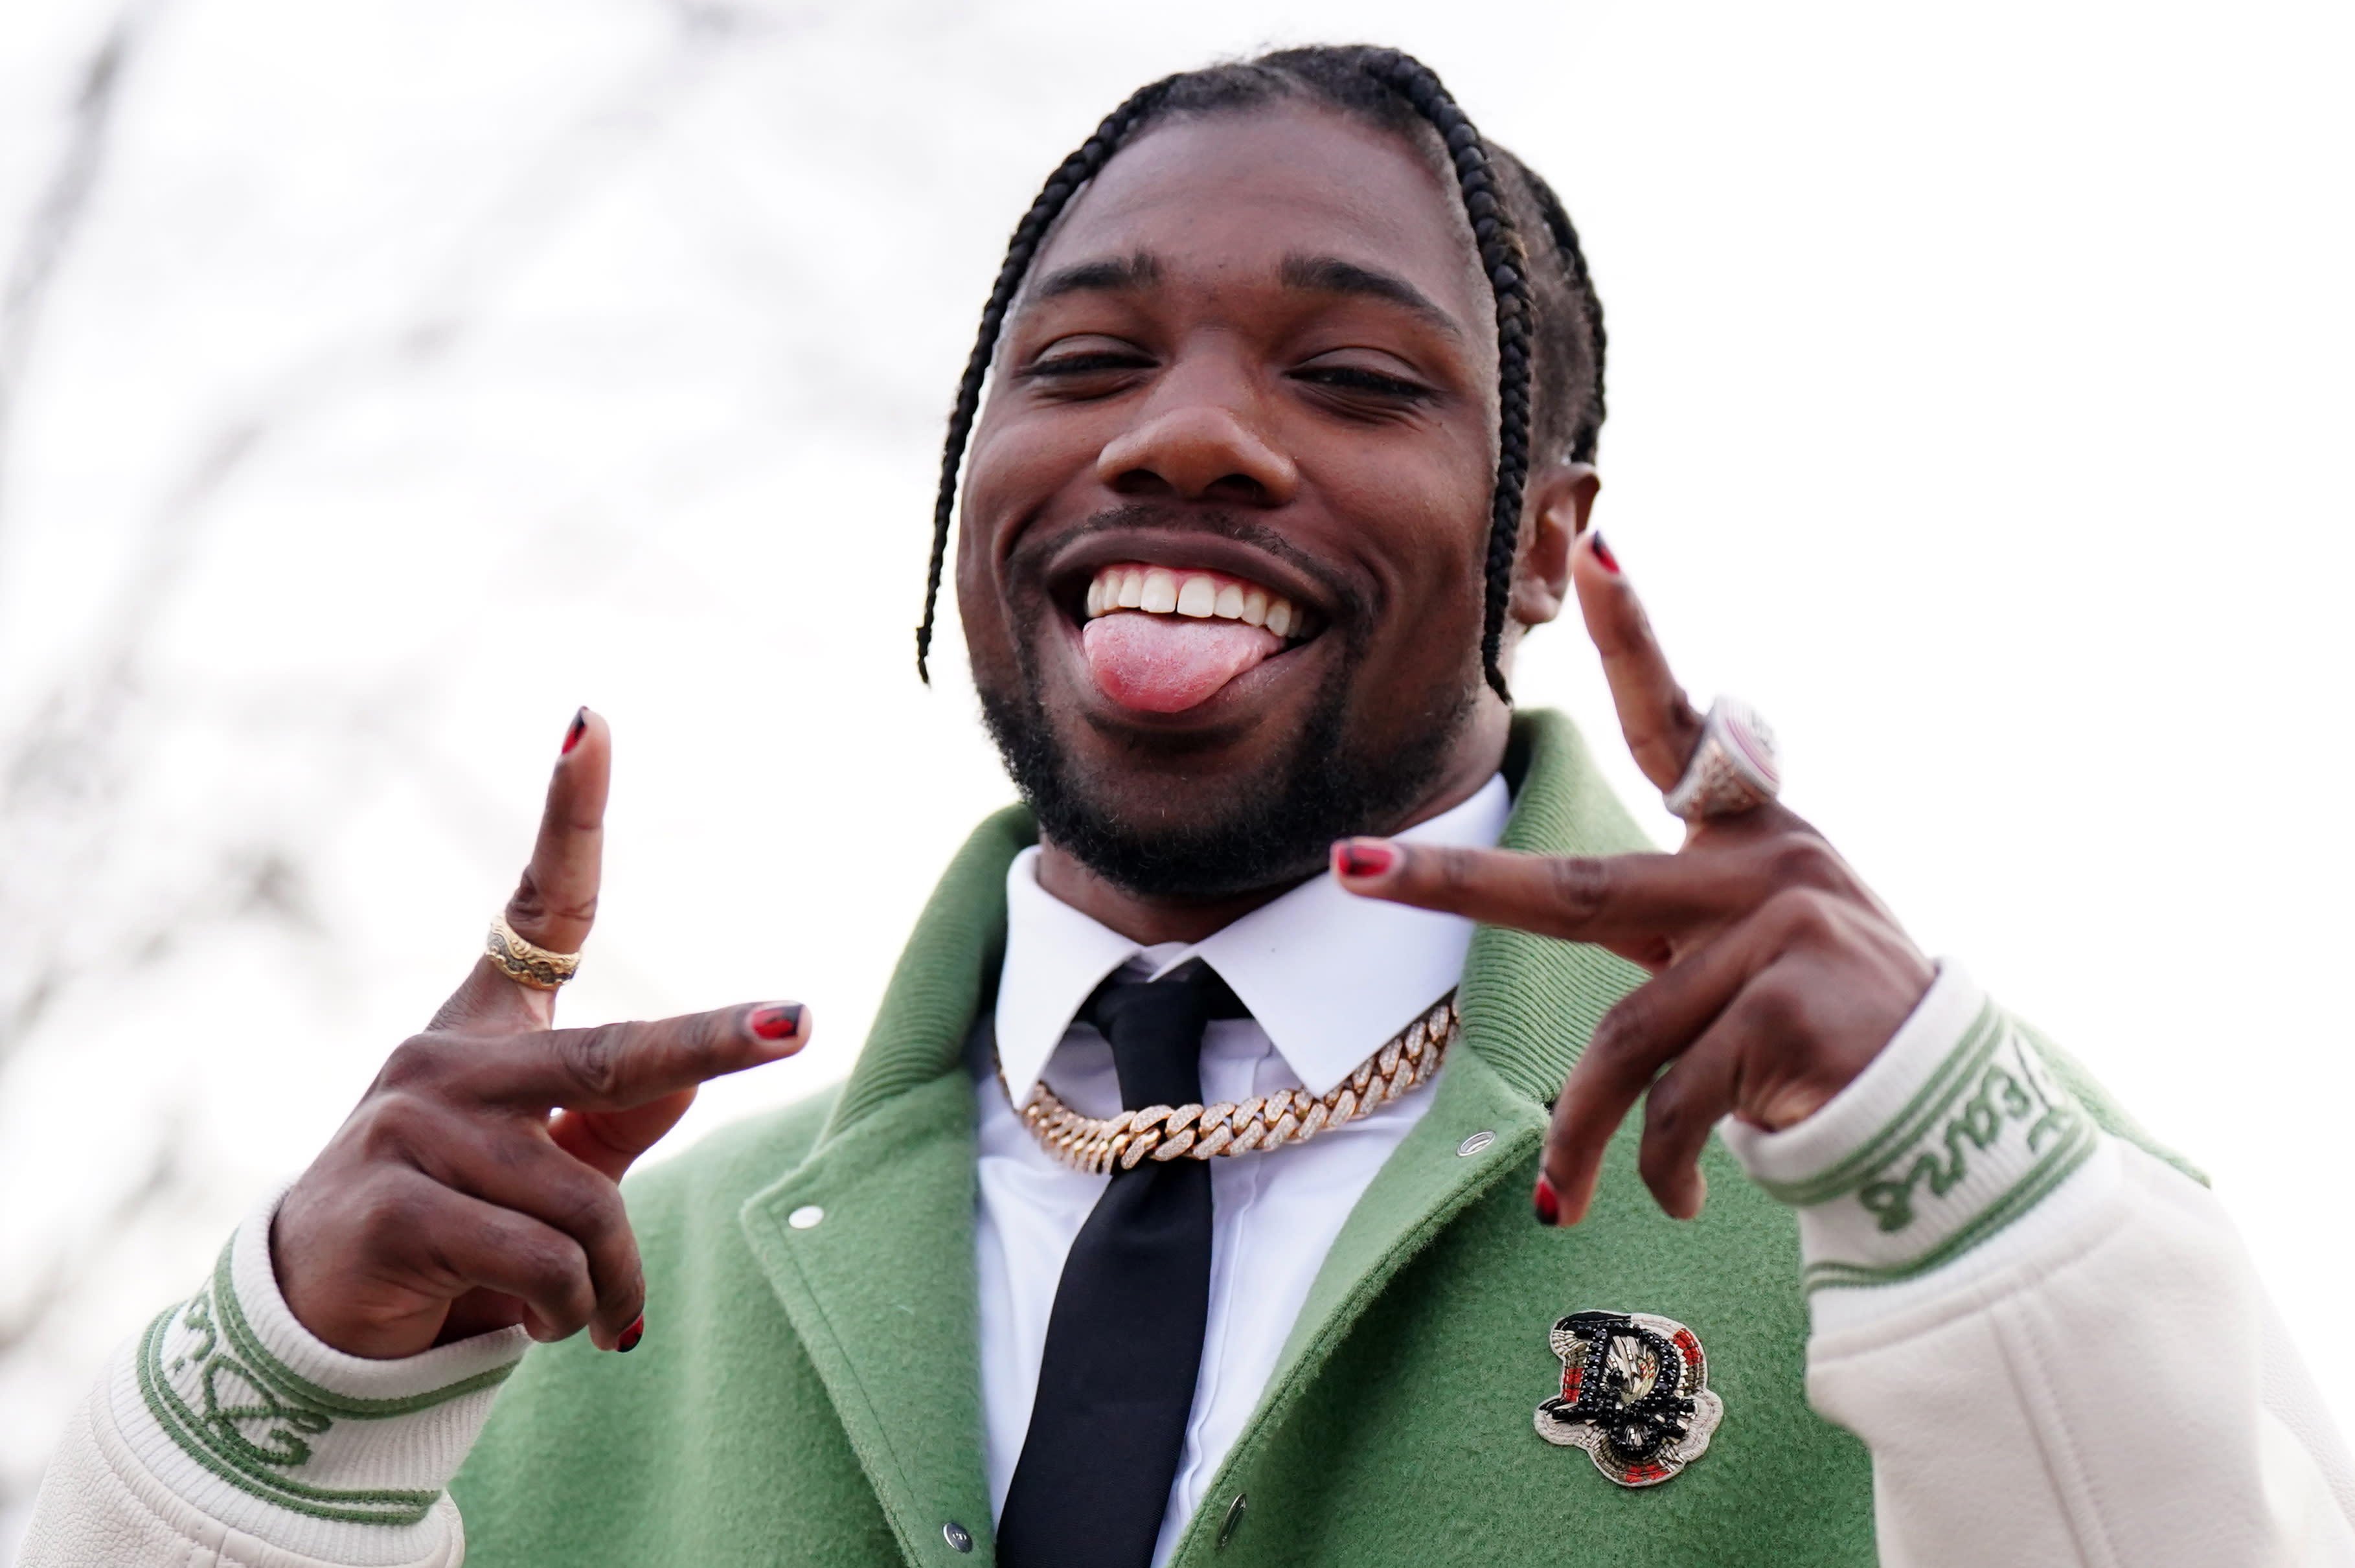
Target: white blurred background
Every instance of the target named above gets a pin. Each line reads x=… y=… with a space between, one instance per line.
x=378 y=381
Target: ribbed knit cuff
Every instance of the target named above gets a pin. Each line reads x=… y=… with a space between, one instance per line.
x=1954 y=1131
x=229 y=1401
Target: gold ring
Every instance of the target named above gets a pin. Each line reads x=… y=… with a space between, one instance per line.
x=528 y=963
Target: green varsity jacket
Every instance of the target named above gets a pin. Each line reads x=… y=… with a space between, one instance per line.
x=809 y=1394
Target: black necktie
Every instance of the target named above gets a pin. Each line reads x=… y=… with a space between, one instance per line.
x=1125 y=1340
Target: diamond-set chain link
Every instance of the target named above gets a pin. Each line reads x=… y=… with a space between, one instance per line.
x=1409 y=1060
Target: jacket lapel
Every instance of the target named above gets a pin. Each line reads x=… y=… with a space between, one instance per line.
x=1529 y=1007
x=869 y=1244
x=878 y=1274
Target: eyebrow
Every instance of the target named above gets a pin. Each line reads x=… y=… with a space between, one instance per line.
x=1139 y=271
x=1332 y=275
x=1316 y=274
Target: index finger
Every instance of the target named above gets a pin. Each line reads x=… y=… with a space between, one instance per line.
x=1660 y=723
x=620 y=1066
x=1602 y=899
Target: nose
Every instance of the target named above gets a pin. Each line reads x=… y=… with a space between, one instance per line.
x=1198 y=453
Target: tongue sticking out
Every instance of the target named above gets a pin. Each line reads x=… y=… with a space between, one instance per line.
x=1166 y=664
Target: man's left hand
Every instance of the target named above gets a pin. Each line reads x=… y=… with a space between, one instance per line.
x=1776 y=976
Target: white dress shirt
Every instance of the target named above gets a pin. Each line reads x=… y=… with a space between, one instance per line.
x=1328 y=977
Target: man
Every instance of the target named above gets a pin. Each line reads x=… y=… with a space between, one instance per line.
x=1175 y=1210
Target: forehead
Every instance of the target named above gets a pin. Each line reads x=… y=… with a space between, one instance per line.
x=1229 y=195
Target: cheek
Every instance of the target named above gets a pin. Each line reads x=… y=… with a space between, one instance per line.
x=1016 y=466
x=1004 y=479
x=1426 y=529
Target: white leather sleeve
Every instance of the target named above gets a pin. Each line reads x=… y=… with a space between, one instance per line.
x=226 y=1434
x=2053 y=1343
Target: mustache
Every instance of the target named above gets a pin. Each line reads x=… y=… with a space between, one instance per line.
x=1027 y=562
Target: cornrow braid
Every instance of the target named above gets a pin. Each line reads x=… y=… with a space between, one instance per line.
x=1053 y=196
x=1340 y=76
x=1504 y=261
x=1586 y=429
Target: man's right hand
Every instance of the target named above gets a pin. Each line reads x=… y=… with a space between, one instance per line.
x=474 y=1187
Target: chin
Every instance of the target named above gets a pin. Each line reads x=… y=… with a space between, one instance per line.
x=1205 y=810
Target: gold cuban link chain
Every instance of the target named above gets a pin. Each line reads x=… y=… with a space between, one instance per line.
x=1409 y=1060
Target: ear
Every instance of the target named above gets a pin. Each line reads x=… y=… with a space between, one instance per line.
x=1561 y=498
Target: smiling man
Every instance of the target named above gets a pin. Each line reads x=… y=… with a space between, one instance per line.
x=1179 y=1208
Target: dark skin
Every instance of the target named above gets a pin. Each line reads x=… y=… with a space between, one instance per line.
x=1187 y=346
x=1777 y=976
x=1357 y=432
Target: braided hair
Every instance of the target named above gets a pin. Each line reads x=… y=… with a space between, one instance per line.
x=1549 y=340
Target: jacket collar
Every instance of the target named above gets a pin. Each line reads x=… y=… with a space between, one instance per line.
x=869 y=1244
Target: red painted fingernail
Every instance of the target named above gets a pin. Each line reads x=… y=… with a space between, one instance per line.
x=777 y=1022
x=632 y=1334
x=572 y=736
x=1548 y=1206
x=1603 y=553
x=1357 y=859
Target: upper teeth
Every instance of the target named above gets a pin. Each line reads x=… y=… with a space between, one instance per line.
x=1158 y=591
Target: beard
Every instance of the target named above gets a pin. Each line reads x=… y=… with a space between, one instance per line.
x=1276 y=826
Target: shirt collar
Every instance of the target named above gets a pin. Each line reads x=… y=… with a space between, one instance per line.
x=1329 y=976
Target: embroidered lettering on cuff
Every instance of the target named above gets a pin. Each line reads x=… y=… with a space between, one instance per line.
x=230 y=1404
x=1986 y=1136
x=243 y=1414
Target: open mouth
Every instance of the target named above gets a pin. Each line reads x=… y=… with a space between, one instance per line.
x=1164 y=640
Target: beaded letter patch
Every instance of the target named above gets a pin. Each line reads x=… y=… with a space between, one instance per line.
x=1635 y=1395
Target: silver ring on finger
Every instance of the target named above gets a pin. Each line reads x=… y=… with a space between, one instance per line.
x=1734 y=768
